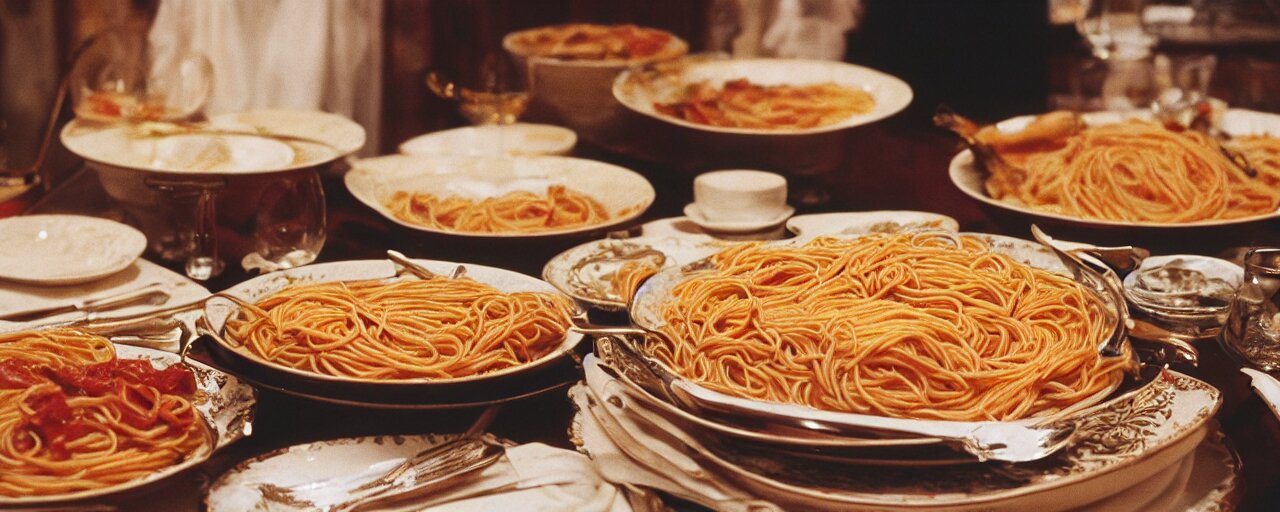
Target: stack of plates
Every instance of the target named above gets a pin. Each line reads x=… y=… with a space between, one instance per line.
x=1158 y=451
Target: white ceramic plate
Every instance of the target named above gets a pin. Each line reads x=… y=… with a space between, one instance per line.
x=694 y=214
x=66 y=249
x=967 y=177
x=343 y=134
x=858 y=223
x=121 y=146
x=258 y=288
x=257 y=483
x=226 y=404
x=623 y=193
x=1125 y=445
x=640 y=89
x=513 y=139
x=1119 y=447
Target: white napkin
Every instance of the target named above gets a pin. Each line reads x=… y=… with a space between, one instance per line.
x=532 y=477
x=633 y=446
x=18 y=298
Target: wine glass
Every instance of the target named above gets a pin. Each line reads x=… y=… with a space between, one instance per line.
x=1252 y=332
x=1115 y=29
x=492 y=94
x=120 y=76
x=289 y=227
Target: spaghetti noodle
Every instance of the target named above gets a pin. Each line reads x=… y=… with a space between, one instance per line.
x=742 y=104
x=927 y=326
x=516 y=212
x=436 y=328
x=74 y=418
x=1140 y=171
x=630 y=275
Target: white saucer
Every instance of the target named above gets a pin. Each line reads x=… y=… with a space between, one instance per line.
x=694 y=214
x=66 y=249
x=514 y=139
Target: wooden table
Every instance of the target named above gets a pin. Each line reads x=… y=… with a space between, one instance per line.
x=897 y=164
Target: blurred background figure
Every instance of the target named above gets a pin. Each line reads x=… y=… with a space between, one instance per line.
x=799 y=29
x=297 y=54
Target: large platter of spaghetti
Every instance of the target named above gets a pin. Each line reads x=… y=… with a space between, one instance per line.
x=931 y=326
x=762 y=96
x=81 y=418
x=500 y=196
x=359 y=325
x=1123 y=172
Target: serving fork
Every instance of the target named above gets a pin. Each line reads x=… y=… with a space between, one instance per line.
x=1104 y=282
x=985 y=440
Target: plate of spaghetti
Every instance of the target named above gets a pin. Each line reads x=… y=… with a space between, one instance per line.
x=82 y=418
x=500 y=196
x=355 y=331
x=1114 y=170
x=762 y=96
x=932 y=326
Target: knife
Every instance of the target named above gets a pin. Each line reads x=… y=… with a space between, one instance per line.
x=152 y=295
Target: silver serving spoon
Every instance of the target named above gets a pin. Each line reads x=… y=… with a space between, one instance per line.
x=985 y=440
x=1104 y=282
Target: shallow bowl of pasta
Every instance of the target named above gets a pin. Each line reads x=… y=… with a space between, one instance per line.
x=500 y=196
x=127 y=417
x=900 y=326
x=769 y=97
x=1118 y=171
x=359 y=332
x=570 y=68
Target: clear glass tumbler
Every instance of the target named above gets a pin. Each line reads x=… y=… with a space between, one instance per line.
x=1252 y=332
x=289 y=226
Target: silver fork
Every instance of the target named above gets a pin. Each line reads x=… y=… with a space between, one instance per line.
x=424 y=473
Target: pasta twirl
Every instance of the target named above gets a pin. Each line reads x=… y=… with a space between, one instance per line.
x=925 y=326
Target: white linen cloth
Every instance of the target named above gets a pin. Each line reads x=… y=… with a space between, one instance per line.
x=298 y=54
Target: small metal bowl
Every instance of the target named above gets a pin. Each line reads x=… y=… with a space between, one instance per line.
x=1184 y=292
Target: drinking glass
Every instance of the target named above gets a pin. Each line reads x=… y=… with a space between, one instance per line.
x=120 y=76
x=289 y=226
x=1115 y=29
x=1252 y=332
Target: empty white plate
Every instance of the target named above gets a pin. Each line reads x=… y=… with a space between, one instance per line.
x=65 y=249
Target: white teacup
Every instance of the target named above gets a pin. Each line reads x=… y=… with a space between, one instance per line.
x=740 y=195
